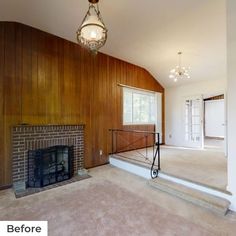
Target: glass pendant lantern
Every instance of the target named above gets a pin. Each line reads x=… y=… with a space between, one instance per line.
x=92 y=33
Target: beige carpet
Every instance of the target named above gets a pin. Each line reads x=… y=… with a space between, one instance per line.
x=204 y=166
x=207 y=166
x=113 y=202
x=99 y=209
x=214 y=144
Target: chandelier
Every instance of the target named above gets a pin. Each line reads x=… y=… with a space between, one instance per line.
x=179 y=72
x=92 y=33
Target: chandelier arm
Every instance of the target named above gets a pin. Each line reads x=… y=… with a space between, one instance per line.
x=180 y=57
x=88 y=13
x=180 y=64
x=98 y=9
x=100 y=16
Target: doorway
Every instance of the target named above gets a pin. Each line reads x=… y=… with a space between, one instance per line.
x=214 y=122
x=200 y=156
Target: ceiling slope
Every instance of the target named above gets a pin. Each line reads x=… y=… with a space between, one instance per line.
x=148 y=33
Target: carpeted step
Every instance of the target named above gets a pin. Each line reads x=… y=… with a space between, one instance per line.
x=213 y=203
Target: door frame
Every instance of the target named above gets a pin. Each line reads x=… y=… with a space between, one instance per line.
x=225 y=119
x=190 y=144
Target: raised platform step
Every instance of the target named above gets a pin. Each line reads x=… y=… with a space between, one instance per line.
x=202 y=195
x=210 y=202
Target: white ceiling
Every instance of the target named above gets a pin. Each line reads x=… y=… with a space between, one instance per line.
x=148 y=33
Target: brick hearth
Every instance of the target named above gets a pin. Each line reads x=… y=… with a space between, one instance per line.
x=31 y=137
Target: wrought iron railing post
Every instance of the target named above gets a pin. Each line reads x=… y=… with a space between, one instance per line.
x=154 y=172
x=146 y=141
x=153 y=145
x=158 y=148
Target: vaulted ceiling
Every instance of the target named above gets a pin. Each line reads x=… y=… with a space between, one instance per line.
x=148 y=33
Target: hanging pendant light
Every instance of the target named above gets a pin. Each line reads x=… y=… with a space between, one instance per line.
x=92 y=33
x=179 y=72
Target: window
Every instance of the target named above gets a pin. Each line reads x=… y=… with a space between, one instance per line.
x=139 y=107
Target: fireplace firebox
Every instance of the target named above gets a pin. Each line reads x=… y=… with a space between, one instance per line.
x=50 y=165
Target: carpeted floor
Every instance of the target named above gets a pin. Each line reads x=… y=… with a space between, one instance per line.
x=113 y=202
x=205 y=166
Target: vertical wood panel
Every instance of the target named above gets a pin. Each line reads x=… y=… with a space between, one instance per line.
x=28 y=100
x=45 y=79
x=2 y=148
x=60 y=55
x=42 y=72
x=12 y=75
x=11 y=87
x=35 y=73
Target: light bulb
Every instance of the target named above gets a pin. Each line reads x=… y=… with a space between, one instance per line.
x=93 y=35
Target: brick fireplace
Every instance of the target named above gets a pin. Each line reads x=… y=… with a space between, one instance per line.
x=26 y=138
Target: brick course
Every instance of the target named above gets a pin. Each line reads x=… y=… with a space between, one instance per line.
x=31 y=137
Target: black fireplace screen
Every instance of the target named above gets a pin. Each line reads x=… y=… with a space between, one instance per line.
x=50 y=165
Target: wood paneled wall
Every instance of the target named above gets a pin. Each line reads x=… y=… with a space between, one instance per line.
x=126 y=141
x=48 y=80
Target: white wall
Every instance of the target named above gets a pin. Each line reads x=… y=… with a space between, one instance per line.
x=175 y=109
x=231 y=91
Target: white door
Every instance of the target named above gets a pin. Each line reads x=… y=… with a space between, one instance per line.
x=193 y=129
x=215 y=118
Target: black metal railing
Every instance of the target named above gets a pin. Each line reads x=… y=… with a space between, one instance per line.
x=140 y=142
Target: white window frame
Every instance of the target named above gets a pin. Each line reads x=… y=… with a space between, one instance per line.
x=139 y=91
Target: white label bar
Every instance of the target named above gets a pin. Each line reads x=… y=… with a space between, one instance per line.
x=20 y=228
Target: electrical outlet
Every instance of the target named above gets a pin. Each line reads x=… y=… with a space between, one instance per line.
x=100 y=152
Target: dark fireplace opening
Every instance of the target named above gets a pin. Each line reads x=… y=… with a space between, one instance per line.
x=50 y=165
